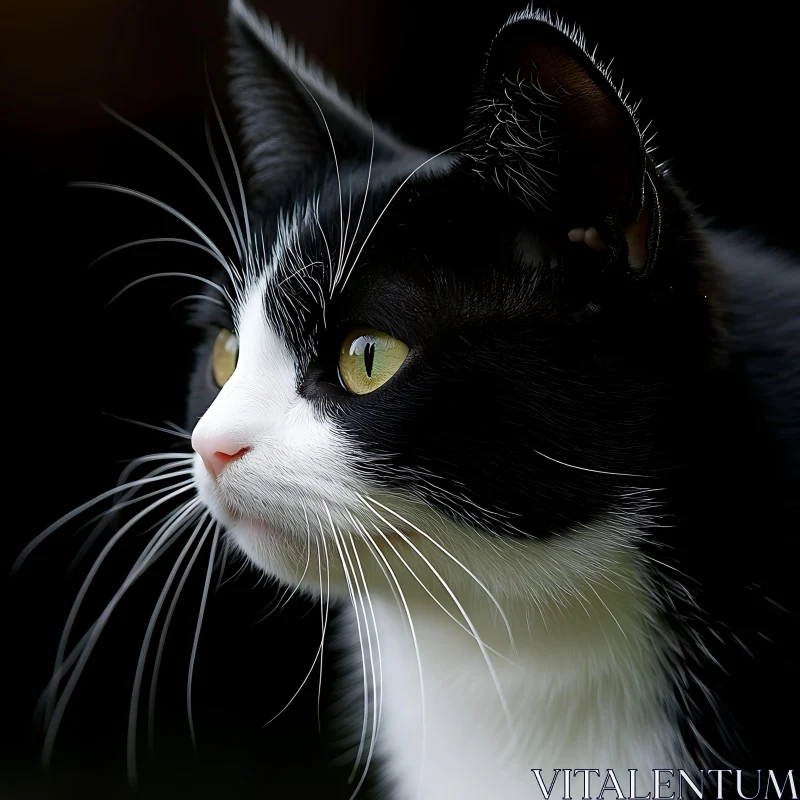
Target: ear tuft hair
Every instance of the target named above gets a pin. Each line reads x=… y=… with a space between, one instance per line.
x=550 y=127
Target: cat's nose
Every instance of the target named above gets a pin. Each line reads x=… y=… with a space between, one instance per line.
x=217 y=451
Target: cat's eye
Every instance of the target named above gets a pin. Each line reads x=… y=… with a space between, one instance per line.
x=224 y=357
x=368 y=359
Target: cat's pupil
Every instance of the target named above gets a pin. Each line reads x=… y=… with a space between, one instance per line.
x=369 y=358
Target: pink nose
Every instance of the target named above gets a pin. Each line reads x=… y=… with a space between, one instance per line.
x=217 y=451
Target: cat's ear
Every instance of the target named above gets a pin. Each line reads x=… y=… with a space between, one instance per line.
x=290 y=111
x=549 y=127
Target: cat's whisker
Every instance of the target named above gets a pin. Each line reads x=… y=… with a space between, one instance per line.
x=338 y=178
x=178 y=429
x=212 y=151
x=154 y=240
x=347 y=222
x=323 y=618
x=446 y=552
x=298 y=271
x=110 y=187
x=200 y=617
x=299 y=583
x=151 y=625
x=60 y=707
x=191 y=170
x=423 y=715
x=282 y=601
x=377 y=686
x=104 y=520
x=363 y=202
x=317 y=656
x=236 y=172
x=385 y=209
x=586 y=469
x=189 y=275
x=50 y=529
x=223 y=561
x=459 y=606
x=137 y=462
x=351 y=591
x=355 y=588
x=151 y=703
x=428 y=591
x=135 y=573
x=325 y=242
x=166 y=529
x=389 y=582
x=199 y=297
x=242 y=568
x=172 y=431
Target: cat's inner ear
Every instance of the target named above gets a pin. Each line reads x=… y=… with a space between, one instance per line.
x=549 y=127
x=292 y=116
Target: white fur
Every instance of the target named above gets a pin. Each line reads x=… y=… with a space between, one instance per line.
x=586 y=686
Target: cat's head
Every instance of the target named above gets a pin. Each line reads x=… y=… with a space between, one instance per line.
x=471 y=362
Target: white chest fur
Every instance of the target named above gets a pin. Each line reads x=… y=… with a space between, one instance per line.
x=587 y=688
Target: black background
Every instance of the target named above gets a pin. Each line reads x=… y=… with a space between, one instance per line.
x=720 y=86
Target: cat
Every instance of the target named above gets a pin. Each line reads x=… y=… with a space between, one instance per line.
x=519 y=409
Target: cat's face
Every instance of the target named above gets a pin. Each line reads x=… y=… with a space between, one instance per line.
x=461 y=363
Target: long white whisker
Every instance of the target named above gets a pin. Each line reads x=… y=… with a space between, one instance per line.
x=105 y=518
x=363 y=203
x=151 y=703
x=299 y=583
x=204 y=297
x=172 y=431
x=193 y=172
x=338 y=176
x=283 y=600
x=158 y=203
x=386 y=207
x=355 y=589
x=29 y=548
x=76 y=605
x=324 y=620
x=245 y=215
x=172 y=275
x=58 y=712
x=449 y=555
x=377 y=685
x=423 y=714
x=155 y=240
x=586 y=469
x=427 y=590
x=221 y=177
x=137 y=681
x=223 y=561
x=458 y=604
x=135 y=573
x=137 y=462
x=299 y=688
x=200 y=617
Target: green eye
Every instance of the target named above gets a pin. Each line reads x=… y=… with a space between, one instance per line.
x=225 y=355
x=368 y=359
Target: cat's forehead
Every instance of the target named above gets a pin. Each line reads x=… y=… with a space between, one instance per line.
x=378 y=221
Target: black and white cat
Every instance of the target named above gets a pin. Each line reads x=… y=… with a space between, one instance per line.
x=517 y=404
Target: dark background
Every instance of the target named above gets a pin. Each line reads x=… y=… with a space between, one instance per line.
x=720 y=86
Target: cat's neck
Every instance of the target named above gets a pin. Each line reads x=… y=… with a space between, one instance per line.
x=584 y=685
